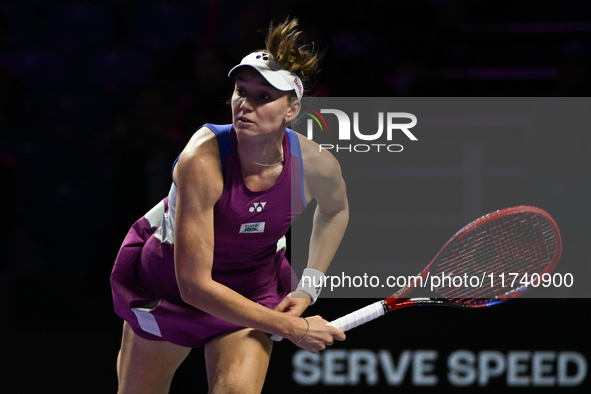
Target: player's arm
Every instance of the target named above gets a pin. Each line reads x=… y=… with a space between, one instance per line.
x=199 y=182
x=323 y=182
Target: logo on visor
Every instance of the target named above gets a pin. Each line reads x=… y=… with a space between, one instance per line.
x=264 y=56
x=297 y=83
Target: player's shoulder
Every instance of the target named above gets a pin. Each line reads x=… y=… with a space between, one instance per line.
x=318 y=162
x=201 y=152
x=202 y=142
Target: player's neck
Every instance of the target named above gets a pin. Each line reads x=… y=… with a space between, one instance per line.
x=259 y=154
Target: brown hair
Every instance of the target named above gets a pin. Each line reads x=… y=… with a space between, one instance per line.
x=282 y=45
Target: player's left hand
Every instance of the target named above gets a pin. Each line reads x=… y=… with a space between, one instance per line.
x=294 y=303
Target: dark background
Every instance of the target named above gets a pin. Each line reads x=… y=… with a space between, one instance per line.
x=98 y=97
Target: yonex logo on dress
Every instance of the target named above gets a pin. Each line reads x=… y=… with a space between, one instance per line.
x=258 y=206
x=249 y=228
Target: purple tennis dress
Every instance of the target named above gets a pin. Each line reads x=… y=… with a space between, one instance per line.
x=248 y=255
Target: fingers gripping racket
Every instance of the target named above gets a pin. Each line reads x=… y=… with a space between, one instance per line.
x=511 y=243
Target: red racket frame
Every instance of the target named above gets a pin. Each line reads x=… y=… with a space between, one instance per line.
x=398 y=300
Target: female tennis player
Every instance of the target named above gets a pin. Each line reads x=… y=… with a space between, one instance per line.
x=205 y=267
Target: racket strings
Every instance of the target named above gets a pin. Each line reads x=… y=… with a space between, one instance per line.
x=526 y=253
x=519 y=243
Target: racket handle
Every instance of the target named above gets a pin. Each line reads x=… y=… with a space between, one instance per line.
x=354 y=319
x=359 y=317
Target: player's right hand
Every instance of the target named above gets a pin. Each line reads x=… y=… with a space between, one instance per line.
x=320 y=335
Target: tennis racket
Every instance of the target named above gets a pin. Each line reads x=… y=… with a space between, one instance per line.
x=500 y=249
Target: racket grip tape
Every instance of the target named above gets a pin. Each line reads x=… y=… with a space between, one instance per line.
x=354 y=319
x=359 y=317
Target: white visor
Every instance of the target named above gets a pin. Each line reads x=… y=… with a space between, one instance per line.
x=273 y=72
